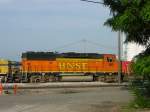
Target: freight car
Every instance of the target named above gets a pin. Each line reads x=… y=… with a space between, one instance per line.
x=51 y=66
x=9 y=70
x=4 y=69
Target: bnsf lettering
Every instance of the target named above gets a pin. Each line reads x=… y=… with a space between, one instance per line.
x=72 y=65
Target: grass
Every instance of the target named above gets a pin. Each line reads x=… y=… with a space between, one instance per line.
x=139 y=104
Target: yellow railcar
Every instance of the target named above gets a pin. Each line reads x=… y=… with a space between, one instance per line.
x=4 y=67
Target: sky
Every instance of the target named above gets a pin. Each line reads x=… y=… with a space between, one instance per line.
x=54 y=25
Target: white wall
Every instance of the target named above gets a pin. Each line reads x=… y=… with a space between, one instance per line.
x=133 y=50
x=130 y=50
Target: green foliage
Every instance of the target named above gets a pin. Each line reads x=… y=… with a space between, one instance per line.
x=142 y=66
x=141 y=70
x=141 y=83
x=140 y=102
x=142 y=99
x=131 y=17
x=145 y=12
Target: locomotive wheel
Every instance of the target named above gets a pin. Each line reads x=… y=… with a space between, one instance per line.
x=95 y=78
x=59 y=78
x=102 y=78
x=37 y=80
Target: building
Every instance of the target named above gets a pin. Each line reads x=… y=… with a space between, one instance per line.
x=130 y=50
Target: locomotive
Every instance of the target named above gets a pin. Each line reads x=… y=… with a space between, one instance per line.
x=53 y=66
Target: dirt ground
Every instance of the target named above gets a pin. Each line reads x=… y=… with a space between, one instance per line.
x=98 y=99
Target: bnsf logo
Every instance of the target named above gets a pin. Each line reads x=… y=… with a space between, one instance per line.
x=72 y=65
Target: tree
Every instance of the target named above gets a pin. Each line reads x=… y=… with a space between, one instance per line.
x=141 y=66
x=131 y=17
x=141 y=83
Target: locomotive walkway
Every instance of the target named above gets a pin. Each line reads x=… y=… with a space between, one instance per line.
x=60 y=85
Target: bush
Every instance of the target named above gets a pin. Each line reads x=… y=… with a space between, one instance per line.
x=141 y=84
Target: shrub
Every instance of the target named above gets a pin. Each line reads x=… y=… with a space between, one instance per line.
x=141 y=84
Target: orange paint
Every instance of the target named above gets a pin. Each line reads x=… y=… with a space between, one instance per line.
x=1 y=89
x=15 y=89
x=72 y=65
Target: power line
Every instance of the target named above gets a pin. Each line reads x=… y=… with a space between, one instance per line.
x=66 y=45
x=102 y=46
x=92 y=1
x=84 y=42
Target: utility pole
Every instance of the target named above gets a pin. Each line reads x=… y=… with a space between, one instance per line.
x=119 y=46
x=84 y=45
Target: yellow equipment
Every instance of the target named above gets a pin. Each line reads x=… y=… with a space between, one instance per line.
x=4 y=67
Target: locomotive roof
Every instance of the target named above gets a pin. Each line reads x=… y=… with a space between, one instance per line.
x=81 y=55
x=39 y=55
x=54 y=55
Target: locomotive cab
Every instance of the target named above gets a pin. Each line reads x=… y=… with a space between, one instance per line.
x=110 y=63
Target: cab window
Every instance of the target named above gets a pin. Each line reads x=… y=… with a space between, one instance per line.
x=109 y=59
